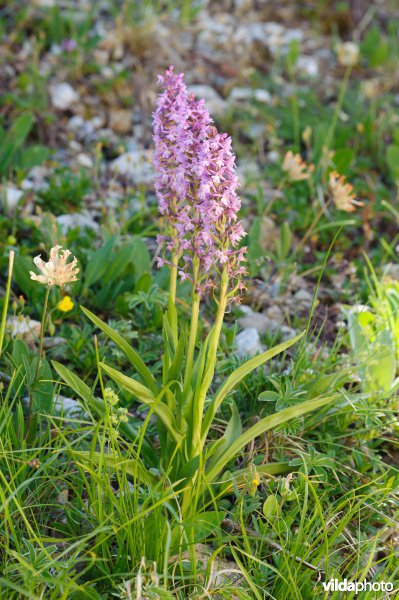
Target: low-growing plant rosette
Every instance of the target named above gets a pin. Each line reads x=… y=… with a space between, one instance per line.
x=196 y=186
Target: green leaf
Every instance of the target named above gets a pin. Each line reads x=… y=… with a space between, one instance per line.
x=143 y=283
x=176 y=366
x=142 y=258
x=357 y=337
x=15 y=137
x=120 y=260
x=22 y=266
x=381 y=367
x=134 y=387
x=283 y=243
x=97 y=405
x=20 y=356
x=189 y=468
x=264 y=425
x=240 y=477
x=392 y=158
x=343 y=158
x=78 y=386
x=147 y=397
x=293 y=54
x=269 y=396
x=271 y=508
x=232 y=432
x=126 y=348
x=33 y=156
x=132 y=467
x=325 y=383
x=204 y=524
x=42 y=394
x=238 y=375
x=98 y=263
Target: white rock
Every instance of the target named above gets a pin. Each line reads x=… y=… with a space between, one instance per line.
x=247 y=342
x=245 y=309
x=53 y=341
x=137 y=165
x=274 y=36
x=76 y=123
x=255 y=320
x=10 y=196
x=68 y=407
x=273 y=156
x=25 y=328
x=75 y=146
x=255 y=131
x=244 y=94
x=287 y=333
x=27 y=184
x=304 y=297
x=248 y=170
x=262 y=95
x=37 y=175
x=241 y=94
x=85 y=129
x=308 y=66
x=274 y=312
x=63 y=95
x=214 y=102
x=85 y=160
x=120 y=120
x=77 y=220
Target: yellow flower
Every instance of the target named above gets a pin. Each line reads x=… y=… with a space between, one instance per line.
x=342 y=193
x=56 y=271
x=295 y=168
x=255 y=482
x=65 y=304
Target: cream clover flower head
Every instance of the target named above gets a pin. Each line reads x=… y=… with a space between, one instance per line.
x=342 y=193
x=56 y=271
x=348 y=54
x=295 y=168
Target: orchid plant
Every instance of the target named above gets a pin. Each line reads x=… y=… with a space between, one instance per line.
x=196 y=186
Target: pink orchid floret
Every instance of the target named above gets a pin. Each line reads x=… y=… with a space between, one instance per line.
x=196 y=185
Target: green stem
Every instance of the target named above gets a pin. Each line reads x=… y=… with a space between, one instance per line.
x=198 y=408
x=39 y=356
x=295 y=118
x=6 y=299
x=171 y=313
x=173 y=278
x=338 y=106
x=191 y=494
x=41 y=336
x=311 y=227
x=195 y=307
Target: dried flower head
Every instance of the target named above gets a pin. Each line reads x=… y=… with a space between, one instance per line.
x=342 y=193
x=56 y=271
x=196 y=187
x=370 y=88
x=295 y=168
x=348 y=54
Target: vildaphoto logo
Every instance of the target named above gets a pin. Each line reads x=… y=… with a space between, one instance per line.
x=335 y=585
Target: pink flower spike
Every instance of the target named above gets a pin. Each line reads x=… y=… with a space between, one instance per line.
x=196 y=184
